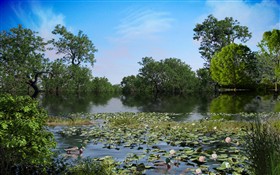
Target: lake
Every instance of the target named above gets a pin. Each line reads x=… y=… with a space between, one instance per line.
x=193 y=107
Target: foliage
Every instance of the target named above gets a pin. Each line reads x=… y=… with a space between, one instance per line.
x=215 y=34
x=234 y=66
x=133 y=84
x=24 y=139
x=170 y=75
x=205 y=82
x=92 y=167
x=21 y=59
x=102 y=84
x=269 y=57
x=76 y=48
x=263 y=147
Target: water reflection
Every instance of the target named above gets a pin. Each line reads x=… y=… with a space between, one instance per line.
x=189 y=106
x=73 y=103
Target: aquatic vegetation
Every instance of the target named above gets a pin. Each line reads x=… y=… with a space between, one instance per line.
x=70 y=119
x=213 y=146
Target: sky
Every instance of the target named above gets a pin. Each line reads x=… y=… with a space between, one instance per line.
x=125 y=31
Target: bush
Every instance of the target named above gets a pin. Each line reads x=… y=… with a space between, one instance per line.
x=89 y=166
x=24 y=141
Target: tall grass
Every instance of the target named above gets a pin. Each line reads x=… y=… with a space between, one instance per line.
x=263 y=148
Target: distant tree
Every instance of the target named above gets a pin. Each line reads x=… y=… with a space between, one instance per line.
x=101 y=84
x=22 y=59
x=152 y=73
x=133 y=84
x=76 y=49
x=234 y=66
x=179 y=76
x=170 y=75
x=215 y=34
x=56 y=81
x=269 y=57
x=205 y=82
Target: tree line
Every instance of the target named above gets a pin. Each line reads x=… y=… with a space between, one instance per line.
x=24 y=66
x=229 y=63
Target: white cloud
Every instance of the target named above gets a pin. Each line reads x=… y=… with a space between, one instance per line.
x=259 y=17
x=142 y=24
x=41 y=20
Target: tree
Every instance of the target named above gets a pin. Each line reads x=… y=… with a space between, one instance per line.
x=215 y=34
x=133 y=84
x=76 y=48
x=170 y=75
x=269 y=57
x=101 y=84
x=205 y=82
x=24 y=140
x=151 y=72
x=22 y=59
x=58 y=78
x=179 y=76
x=234 y=66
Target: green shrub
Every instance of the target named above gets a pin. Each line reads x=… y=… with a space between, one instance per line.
x=89 y=166
x=24 y=140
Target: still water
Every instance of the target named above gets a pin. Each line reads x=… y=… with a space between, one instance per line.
x=193 y=106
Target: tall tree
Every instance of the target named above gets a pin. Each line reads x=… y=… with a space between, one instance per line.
x=234 y=66
x=75 y=48
x=215 y=34
x=22 y=59
x=269 y=56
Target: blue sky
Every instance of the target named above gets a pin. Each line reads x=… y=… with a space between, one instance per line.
x=124 y=31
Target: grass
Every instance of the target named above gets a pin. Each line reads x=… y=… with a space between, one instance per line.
x=263 y=147
x=55 y=120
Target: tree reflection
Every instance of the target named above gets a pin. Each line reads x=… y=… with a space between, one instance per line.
x=73 y=103
x=227 y=103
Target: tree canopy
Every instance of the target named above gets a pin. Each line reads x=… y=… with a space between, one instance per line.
x=170 y=75
x=234 y=66
x=269 y=57
x=214 y=34
x=75 y=48
x=22 y=58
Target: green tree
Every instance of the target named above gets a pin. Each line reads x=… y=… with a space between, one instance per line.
x=21 y=59
x=101 y=84
x=170 y=75
x=133 y=84
x=79 y=78
x=179 y=76
x=215 y=34
x=58 y=77
x=152 y=73
x=269 y=57
x=205 y=82
x=24 y=139
x=76 y=49
x=234 y=66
